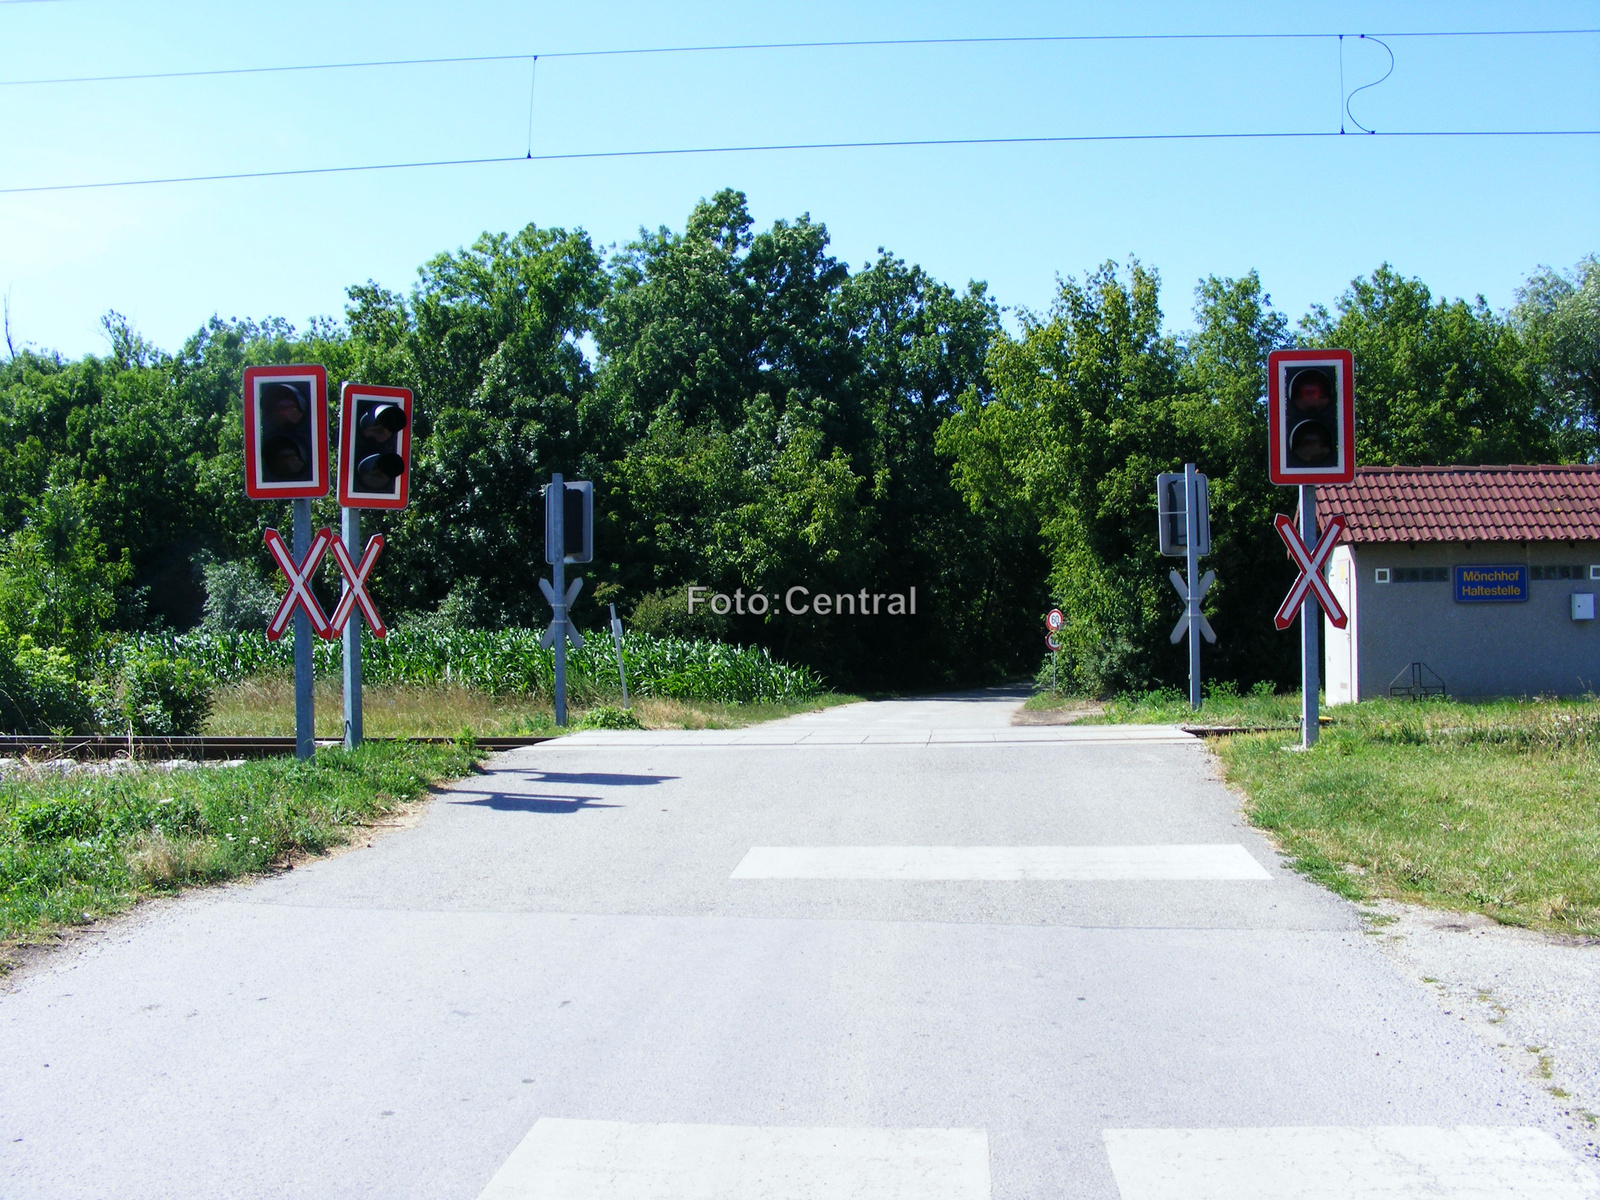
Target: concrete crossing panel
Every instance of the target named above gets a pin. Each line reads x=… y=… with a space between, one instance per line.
x=1342 y=1163
x=1079 y=863
x=616 y=1160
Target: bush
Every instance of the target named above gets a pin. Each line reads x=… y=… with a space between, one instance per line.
x=163 y=696
x=608 y=716
x=237 y=599
x=665 y=613
x=41 y=690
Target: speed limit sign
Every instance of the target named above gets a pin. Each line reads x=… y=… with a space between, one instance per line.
x=1053 y=620
x=1052 y=641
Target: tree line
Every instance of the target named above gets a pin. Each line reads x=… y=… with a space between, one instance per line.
x=755 y=414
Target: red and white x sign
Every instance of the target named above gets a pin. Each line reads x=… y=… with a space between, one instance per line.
x=299 y=576
x=355 y=586
x=1311 y=562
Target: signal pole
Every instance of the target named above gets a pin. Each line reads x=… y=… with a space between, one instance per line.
x=1191 y=518
x=304 y=702
x=350 y=522
x=1310 y=675
x=558 y=532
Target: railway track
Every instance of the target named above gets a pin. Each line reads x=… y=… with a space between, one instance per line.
x=99 y=746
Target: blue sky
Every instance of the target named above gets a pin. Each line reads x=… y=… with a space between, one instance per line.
x=1468 y=215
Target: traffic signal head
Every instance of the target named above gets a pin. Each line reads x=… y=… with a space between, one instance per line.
x=569 y=521
x=285 y=432
x=374 y=446
x=1173 y=531
x=1311 y=415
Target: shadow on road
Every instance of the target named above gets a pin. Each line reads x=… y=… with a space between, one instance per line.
x=501 y=802
x=595 y=780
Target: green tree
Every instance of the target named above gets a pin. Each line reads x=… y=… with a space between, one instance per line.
x=1436 y=383
x=489 y=341
x=58 y=583
x=1558 y=316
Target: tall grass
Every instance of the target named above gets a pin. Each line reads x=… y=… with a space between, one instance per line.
x=76 y=847
x=509 y=662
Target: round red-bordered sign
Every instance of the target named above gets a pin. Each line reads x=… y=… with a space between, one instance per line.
x=1054 y=619
x=1052 y=641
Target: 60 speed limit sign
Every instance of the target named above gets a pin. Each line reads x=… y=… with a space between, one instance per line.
x=1054 y=620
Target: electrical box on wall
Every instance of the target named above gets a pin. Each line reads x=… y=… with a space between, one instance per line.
x=1583 y=606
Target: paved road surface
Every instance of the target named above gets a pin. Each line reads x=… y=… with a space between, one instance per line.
x=642 y=966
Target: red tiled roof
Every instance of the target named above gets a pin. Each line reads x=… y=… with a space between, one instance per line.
x=1467 y=504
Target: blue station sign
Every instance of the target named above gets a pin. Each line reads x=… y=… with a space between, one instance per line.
x=1493 y=584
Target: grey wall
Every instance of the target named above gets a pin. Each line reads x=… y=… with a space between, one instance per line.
x=1529 y=648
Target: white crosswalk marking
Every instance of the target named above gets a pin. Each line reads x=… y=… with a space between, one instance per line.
x=613 y=1160
x=1346 y=1163
x=1059 y=863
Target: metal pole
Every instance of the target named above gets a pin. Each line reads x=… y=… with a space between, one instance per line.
x=558 y=531
x=1310 y=676
x=616 y=638
x=304 y=710
x=1055 y=672
x=1191 y=520
x=350 y=520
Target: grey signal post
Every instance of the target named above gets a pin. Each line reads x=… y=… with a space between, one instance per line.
x=559 y=595
x=1191 y=588
x=1191 y=541
x=350 y=529
x=1309 y=672
x=304 y=704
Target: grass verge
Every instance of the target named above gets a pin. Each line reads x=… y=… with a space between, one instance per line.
x=1222 y=706
x=1493 y=808
x=74 y=848
x=264 y=706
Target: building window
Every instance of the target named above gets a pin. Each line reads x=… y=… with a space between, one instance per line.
x=1555 y=573
x=1381 y=575
x=1419 y=574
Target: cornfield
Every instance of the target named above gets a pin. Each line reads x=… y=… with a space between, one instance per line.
x=508 y=661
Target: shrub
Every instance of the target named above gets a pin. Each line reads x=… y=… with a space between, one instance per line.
x=41 y=690
x=237 y=599
x=608 y=716
x=665 y=613
x=55 y=818
x=164 y=696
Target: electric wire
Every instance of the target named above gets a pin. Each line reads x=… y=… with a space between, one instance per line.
x=741 y=47
x=1365 y=86
x=581 y=155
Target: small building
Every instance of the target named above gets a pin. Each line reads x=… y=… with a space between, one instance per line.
x=1479 y=581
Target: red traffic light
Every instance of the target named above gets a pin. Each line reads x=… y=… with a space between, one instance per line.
x=285 y=432
x=374 y=446
x=1311 y=416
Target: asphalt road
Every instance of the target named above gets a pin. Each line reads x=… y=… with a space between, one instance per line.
x=727 y=965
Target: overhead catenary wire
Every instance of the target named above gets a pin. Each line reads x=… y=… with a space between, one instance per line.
x=580 y=155
x=746 y=47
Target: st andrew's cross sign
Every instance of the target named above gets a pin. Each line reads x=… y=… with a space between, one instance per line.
x=1310 y=579
x=300 y=595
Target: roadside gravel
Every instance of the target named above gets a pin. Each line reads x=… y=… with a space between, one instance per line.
x=1534 y=997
